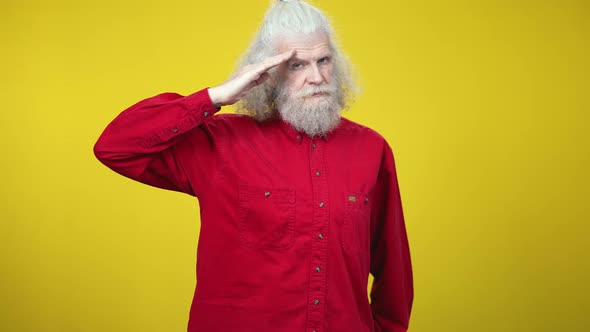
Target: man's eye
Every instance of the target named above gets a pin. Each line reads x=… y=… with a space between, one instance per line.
x=324 y=60
x=296 y=66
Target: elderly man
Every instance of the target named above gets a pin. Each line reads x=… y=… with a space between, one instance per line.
x=298 y=204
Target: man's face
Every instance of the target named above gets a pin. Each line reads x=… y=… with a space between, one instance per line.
x=307 y=92
x=310 y=68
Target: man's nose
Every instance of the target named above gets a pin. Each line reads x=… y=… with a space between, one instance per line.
x=314 y=75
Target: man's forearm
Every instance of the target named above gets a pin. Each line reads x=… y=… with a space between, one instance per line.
x=144 y=132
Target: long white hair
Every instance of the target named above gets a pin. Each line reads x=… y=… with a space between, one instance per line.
x=282 y=19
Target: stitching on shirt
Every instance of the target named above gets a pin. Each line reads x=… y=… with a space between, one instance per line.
x=281 y=201
x=355 y=213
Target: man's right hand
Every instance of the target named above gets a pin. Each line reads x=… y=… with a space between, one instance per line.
x=237 y=86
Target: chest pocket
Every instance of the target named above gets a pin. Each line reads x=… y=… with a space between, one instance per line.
x=355 y=234
x=267 y=217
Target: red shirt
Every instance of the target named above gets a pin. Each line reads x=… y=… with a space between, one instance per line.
x=291 y=226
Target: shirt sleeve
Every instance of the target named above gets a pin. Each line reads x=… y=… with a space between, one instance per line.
x=148 y=141
x=392 y=291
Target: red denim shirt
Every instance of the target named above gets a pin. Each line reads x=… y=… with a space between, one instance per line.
x=291 y=226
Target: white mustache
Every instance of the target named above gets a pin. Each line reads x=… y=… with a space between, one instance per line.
x=308 y=92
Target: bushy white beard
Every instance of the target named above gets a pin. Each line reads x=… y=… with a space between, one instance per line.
x=311 y=115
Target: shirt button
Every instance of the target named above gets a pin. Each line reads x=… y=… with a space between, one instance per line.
x=298 y=137
x=267 y=193
x=316 y=301
x=313 y=145
x=321 y=236
x=175 y=130
x=322 y=204
x=367 y=200
x=318 y=173
x=206 y=114
x=317 y=269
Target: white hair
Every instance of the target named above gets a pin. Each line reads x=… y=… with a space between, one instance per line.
x=282 y=19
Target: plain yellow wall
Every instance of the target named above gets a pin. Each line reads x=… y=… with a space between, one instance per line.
x=484 y=102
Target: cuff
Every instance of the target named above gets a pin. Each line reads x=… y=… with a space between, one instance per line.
x=200 y=101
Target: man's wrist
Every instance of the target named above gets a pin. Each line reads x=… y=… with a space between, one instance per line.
x=214 y=96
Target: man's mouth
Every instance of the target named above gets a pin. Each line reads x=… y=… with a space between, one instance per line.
x=319 y=94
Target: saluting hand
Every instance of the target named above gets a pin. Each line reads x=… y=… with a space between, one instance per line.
x=237 y=86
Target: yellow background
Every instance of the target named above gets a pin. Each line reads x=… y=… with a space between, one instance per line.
x=484 y=102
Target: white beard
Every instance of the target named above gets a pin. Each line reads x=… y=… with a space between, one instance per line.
x=311 y=115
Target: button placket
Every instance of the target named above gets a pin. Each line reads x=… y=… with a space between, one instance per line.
x=318 y=266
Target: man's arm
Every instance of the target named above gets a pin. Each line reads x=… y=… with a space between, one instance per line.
x=392 y=292
x=144 y=142
x=140 y=142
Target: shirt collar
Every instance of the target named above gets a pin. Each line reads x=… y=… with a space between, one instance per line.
x=297 y=136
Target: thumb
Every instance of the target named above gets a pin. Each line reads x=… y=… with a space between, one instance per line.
x=263 y=78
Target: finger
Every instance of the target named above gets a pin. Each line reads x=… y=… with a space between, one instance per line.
x=263 y=78
x=275 y=61
x=254 y=73
x=283 y=57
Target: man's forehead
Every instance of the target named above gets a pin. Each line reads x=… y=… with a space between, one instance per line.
x=305 y=44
